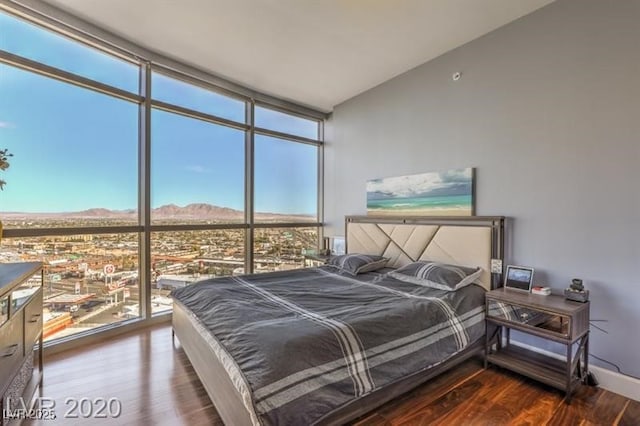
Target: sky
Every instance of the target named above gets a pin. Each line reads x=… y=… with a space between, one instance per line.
x=76 y=149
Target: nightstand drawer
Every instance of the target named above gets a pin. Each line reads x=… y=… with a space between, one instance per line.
x=527 y=317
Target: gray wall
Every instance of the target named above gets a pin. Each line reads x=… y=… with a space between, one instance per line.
x=548 y=112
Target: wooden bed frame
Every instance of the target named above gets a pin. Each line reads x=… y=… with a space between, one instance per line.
x=401 y=239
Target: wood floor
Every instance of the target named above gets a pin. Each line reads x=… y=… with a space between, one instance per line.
x=157 y=386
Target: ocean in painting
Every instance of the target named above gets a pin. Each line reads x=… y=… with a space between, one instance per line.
x=457 y=202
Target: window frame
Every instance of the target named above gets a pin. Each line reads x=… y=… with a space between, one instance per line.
x=148 y=62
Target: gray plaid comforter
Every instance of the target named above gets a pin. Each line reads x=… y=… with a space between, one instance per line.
x=301 y=344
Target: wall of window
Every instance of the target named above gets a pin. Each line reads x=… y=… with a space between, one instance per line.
x=280 y=249
x=180 y=258
x=74 y=151
x=286 y=176
x=129 y=179
x=90 y=280
x=197 y=171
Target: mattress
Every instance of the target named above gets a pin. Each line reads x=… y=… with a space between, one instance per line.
x=300 y=345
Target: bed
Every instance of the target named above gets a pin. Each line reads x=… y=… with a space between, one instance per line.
x=323 y=346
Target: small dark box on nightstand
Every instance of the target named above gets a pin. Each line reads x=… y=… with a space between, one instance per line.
x=576 y=296
x=576 y=291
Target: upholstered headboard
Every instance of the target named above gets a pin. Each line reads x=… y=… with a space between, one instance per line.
x=466 y=241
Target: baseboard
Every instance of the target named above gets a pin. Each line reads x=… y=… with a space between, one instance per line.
x=607 y=379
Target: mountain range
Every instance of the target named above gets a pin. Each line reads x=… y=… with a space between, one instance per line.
x=195 y=211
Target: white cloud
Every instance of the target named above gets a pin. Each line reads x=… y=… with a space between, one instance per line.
x=198 y=169
x=6 y=125
x=407 y=186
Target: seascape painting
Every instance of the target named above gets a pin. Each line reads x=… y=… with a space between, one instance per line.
x=446 y=193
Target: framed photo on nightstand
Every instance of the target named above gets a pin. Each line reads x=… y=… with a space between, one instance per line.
x=518 y=278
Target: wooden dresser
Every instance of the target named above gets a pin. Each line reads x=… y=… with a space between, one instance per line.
x=20 y=334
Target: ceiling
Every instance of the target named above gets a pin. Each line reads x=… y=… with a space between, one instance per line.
x=315 y=53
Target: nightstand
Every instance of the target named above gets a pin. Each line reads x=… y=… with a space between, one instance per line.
x=550 y=317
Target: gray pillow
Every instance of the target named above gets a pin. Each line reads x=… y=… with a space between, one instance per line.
x=437 y=275
x=358 y=263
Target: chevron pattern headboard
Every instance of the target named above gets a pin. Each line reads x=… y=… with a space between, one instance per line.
x=466 y=241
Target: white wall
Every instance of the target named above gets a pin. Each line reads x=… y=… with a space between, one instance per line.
x=548 y=112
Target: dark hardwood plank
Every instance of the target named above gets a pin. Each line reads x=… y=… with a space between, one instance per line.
x=441 y=407
x=631 y=415
x=507 y=400
x=374 y=419
x=589 y=405
x=156 y=384
x=466 y=403
x=151 y=377
x=428 y=392
x=537 y=402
